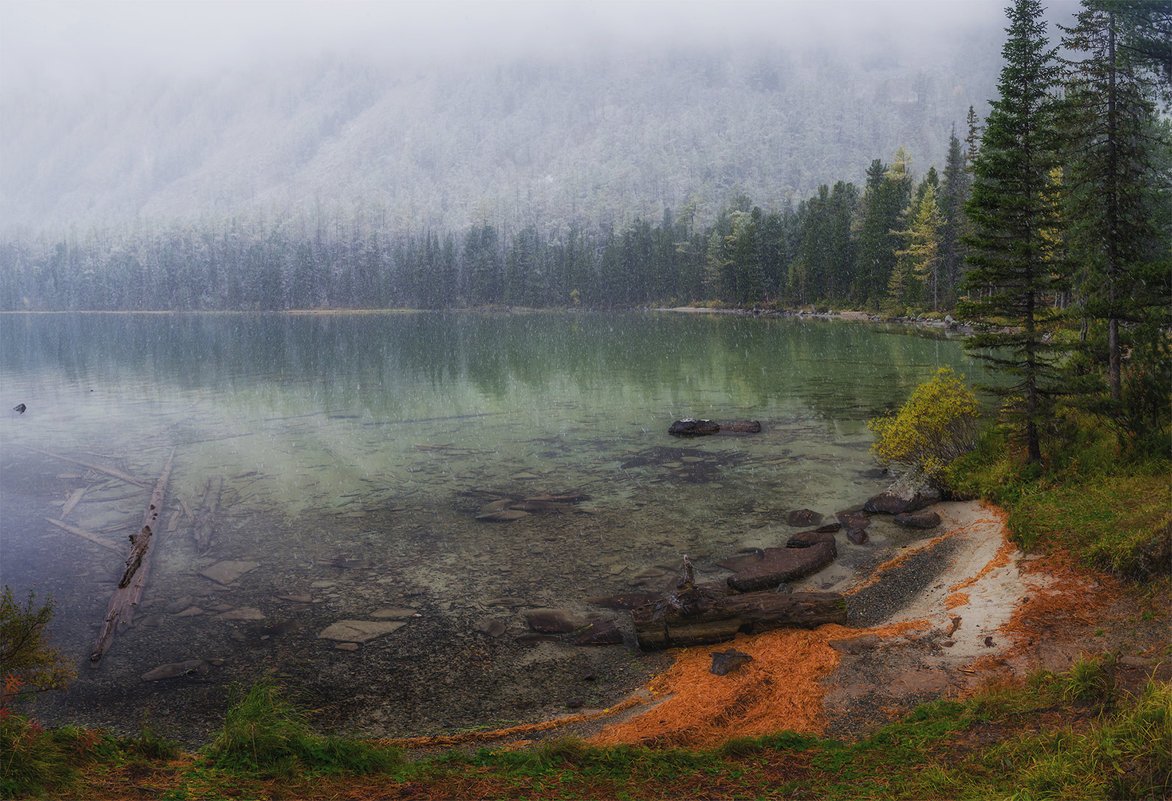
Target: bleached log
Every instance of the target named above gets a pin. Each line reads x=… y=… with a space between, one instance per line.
x=137 y=569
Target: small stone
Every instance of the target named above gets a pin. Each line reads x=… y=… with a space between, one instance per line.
x=393 y=613
x=346 y=646
x=502 y=515
x=725 y=662
x=799 y=518
x=172 y=670
x=575 y=703
x=297 y=598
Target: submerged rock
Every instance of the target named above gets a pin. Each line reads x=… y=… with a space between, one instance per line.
x=552 y=621
x=359 y=630
x=172 y=670
x=807 y=538
x=229 y=570
x=799 y=518
x=902 y=500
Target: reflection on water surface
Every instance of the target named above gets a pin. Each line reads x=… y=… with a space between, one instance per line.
x=333 y=467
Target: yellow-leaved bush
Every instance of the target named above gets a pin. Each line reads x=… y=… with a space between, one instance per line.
x=937 y=424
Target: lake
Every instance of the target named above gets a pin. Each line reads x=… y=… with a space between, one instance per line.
x=342 y=466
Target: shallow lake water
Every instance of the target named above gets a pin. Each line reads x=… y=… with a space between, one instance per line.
x=340 y=466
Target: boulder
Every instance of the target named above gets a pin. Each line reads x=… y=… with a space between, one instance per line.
x=896 y=502
x=857 y=535
x=690 y=427
x=599 y=632
x=552 y=621
x=806 y=539
x=800 y=518
x=773 y=566
x=853 y=521
x=924 y=519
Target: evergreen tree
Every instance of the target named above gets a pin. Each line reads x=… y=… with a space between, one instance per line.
x=1011 y=208
x=954 y=191
x=920 y=258
x=1109 y=167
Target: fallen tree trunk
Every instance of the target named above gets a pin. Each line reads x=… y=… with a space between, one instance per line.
x=205 y=523
x=663 y=624
x=137 y=569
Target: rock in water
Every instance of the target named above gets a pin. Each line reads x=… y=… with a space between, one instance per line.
x=19 y=408
x=599 y=632
x=725 y=662
x=741 y=427
x=690 y=427
x=189 y=667
x=359 y=630
x=803 y=517
x=924 y=519
x=776 y=565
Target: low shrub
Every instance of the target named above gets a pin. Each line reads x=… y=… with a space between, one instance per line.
x=936 y=425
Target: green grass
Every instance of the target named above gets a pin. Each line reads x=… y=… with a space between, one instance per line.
x=1111 y=512
x=265 y=734
x=1073 y=735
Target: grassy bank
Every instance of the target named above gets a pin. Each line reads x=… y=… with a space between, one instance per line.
x=1078 y=734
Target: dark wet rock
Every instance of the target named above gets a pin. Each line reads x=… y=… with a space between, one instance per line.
x=807 y=538
x=552 y=621
x=893 y=503
x=19 y=408
x=741 y=427
x=173 y=670
x=923 y=519
x=690 y=427
x=829 y=527
x=624 y=600
x=857 y=645
x=799 y=518
x=575 y=703
x=599 y=632
x=874 y=472
x=853 y=521
x=725 y=662
x=857 y=535
x=776 y=565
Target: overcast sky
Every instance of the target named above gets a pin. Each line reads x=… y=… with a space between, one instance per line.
x=112 y=40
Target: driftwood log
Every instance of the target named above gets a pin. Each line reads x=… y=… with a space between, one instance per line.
x=136 y=569
x=205 y=522
x=693 y=618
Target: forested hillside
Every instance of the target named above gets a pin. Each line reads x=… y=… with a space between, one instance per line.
x=594 y=138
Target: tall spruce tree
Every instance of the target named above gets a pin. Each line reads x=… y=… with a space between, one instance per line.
x=1109 y=167
x=954 y=191
x=1012 y=210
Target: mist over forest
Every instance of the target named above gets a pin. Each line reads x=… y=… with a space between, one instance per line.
x=496 y=119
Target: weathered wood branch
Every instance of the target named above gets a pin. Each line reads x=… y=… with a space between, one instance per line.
x=85 y=535
x=137 y=569
x=707 y=621
x=110 y=471
x=74 y=498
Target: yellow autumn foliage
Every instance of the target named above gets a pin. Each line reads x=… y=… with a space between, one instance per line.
x=937 y=424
